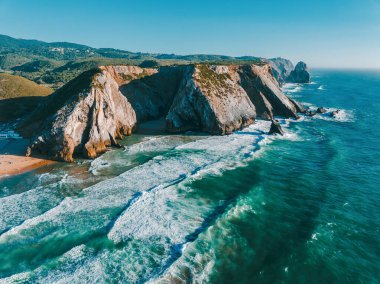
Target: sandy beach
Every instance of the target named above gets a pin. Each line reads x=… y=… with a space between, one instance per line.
x=13 y=160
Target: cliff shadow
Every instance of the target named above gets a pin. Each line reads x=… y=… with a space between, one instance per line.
x=152 y=96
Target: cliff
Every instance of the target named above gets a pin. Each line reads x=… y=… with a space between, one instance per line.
x=281 y=68
x=208 y=99
x=265 y=93
x=91 y=112
x=85 y=117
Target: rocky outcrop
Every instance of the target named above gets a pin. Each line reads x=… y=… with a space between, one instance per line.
x=209 y=100
x=281 y=68
x=90 y=118
x=264 y=91
x=335 y=113
x=93 y=111
x=152 y=96
x=275 y=128
x=300 y=74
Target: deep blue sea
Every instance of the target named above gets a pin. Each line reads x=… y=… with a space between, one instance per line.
x=243 y=208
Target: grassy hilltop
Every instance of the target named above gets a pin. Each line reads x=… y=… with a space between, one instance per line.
x=19 y=96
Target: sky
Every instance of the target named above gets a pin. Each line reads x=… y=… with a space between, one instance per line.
x=323 y=33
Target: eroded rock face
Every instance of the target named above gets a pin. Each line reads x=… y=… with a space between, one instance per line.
x=210 y=100
x=91 y=112
x=281 y=68
x=89 y=121
x=265 y=93
x=300 y=74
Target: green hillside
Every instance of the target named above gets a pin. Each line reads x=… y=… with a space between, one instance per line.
x=19 y=97
x=15 y=86
x=56 y=63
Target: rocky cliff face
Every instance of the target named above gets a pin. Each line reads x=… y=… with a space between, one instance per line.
x=281 y=68
x=265 y=93
x=91 y=112
x=300 y=74
x=90 y=118
x=208 y=99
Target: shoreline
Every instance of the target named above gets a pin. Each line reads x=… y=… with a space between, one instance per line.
x=11 y=165
x=13 y=160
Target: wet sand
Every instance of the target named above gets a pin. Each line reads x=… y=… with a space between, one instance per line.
x=13 y=160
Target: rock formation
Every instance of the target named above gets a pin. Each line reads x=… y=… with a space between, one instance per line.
x=91 y=112
x=284 y=71
x=321 y=110
x=300 y=74
x=208 y=99
x=275 y=128
x=265 y=93
x=91 y=117
x=335 y=113
x=281 y=68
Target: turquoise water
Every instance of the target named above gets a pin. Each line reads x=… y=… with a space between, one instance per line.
x=244 y=208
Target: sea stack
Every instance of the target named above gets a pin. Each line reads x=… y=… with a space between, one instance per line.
x=300 y=74
x=275 y=128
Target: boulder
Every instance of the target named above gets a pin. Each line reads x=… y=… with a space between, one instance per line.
x=321 y=110
x=310 y=112
x=275 y=128
x=300 y=74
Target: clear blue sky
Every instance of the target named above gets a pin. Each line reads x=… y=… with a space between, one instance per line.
x=324 y=33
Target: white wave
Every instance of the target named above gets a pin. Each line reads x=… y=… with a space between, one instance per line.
x=98 y=164
x=199 y=263
x=144 y=218
x=290 y=88
x=148 y=145
x=342 y=115
x=147 y=199
x=4 y=176
x=15 y=210
x=321 y=87
x=156 y=144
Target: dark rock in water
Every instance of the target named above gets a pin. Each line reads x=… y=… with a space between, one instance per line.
x=275 y=128
x=321 y=110
x=311 y=112
x=334 y=113
x=300 y=74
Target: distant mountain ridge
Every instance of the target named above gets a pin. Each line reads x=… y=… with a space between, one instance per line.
x=8 y=43
x=56 y=63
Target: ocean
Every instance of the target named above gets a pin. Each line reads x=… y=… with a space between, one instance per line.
x=243 y=208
